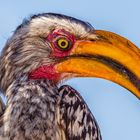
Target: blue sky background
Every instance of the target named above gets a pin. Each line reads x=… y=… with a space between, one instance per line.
x=116 y=109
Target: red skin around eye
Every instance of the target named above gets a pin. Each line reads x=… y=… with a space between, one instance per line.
x=56 y=51
x=49 y=72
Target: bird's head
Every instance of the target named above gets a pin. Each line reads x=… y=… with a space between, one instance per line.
x=57 y=47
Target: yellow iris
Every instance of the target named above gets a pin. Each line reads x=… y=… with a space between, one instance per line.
x=63 y=43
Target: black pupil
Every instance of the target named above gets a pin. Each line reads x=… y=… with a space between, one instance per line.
x=63 y=43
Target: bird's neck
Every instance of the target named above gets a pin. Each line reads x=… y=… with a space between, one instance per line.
x=31 y=104
x=23 y=83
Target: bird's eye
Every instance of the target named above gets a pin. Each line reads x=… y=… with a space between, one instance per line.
x=63 y=44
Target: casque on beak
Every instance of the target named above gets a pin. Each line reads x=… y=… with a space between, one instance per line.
x=110 y=57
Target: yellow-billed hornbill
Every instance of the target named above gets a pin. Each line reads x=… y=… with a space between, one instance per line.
x=43 y=51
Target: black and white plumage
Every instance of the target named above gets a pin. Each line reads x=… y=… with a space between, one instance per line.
x=38 y=110
x=76 y=116
x=42 y=52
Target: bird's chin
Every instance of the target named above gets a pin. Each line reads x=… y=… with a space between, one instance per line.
x=65 y=77
x=50 y=73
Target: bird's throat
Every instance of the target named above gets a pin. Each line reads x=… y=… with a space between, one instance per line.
x=45 y=72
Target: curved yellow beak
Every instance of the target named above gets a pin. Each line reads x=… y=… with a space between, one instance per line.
x=109 y=56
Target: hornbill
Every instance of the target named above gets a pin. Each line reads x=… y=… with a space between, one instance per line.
x=45 y=50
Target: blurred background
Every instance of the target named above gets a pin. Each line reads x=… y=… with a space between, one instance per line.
x=117 y=111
